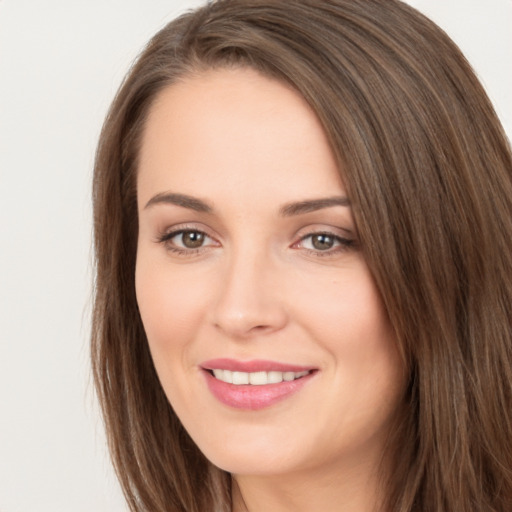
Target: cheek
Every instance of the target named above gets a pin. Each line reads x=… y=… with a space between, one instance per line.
x=346 y=313
x=350 y=322
x=170 y=303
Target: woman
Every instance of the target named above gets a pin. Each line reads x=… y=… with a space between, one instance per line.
x=303 y=243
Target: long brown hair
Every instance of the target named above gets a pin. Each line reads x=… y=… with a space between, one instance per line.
x=429 y=173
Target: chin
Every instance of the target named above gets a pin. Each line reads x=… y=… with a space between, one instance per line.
x=254 y=464
x=253 y=454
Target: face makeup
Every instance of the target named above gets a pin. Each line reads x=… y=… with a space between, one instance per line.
x=253 y=385
x=266 y=329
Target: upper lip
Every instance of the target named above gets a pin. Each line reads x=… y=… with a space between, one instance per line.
x=254 y=365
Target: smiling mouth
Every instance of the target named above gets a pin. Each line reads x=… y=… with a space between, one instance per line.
x=261 y=378
x=255 y=384
x=257 y=389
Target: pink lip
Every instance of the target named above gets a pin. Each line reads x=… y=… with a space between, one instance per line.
x=250 y=397
x=255 y=365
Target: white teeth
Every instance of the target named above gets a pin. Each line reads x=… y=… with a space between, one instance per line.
x=240 y=378
x=224 y=375
x=257 y=378
x=275 y=377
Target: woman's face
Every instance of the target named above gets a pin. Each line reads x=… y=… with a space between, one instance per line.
x=265 y=326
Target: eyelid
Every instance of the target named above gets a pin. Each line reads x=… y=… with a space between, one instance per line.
x=337 y=238
x=165 y=237
x=342 y=242
x=326 y=229
x=174 y=229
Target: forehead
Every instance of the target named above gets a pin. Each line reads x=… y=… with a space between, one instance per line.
x=234 y=129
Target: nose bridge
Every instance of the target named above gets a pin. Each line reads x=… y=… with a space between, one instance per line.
x=249 y=300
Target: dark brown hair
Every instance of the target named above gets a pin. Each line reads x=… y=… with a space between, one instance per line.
x=429 y=174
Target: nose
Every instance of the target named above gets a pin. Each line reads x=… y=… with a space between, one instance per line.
x=250 y=300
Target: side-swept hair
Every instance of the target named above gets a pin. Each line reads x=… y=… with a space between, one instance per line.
x=428 y=170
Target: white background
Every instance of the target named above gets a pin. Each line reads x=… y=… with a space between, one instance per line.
x=61 y=62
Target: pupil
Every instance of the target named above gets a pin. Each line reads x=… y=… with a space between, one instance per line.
x=322 y=242
x=193 y=239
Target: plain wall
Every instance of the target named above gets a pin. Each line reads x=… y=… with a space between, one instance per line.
x=61 y=62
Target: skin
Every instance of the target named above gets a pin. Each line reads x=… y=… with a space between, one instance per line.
x=259 y=287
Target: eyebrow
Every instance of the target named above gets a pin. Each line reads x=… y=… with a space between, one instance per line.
x=312 y=205
x=182 y=200
x=287 y=210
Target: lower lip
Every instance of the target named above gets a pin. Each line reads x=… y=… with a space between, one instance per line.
x=253 y=398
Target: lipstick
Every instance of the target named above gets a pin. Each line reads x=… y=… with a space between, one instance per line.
x=256 y=384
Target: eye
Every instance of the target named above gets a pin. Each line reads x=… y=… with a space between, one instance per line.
x=320 y=241
x=189 y=239
x=186 y=240
x=327 y=243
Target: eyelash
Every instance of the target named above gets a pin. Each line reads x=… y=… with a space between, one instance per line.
x=166 y=240
x=345 y=244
